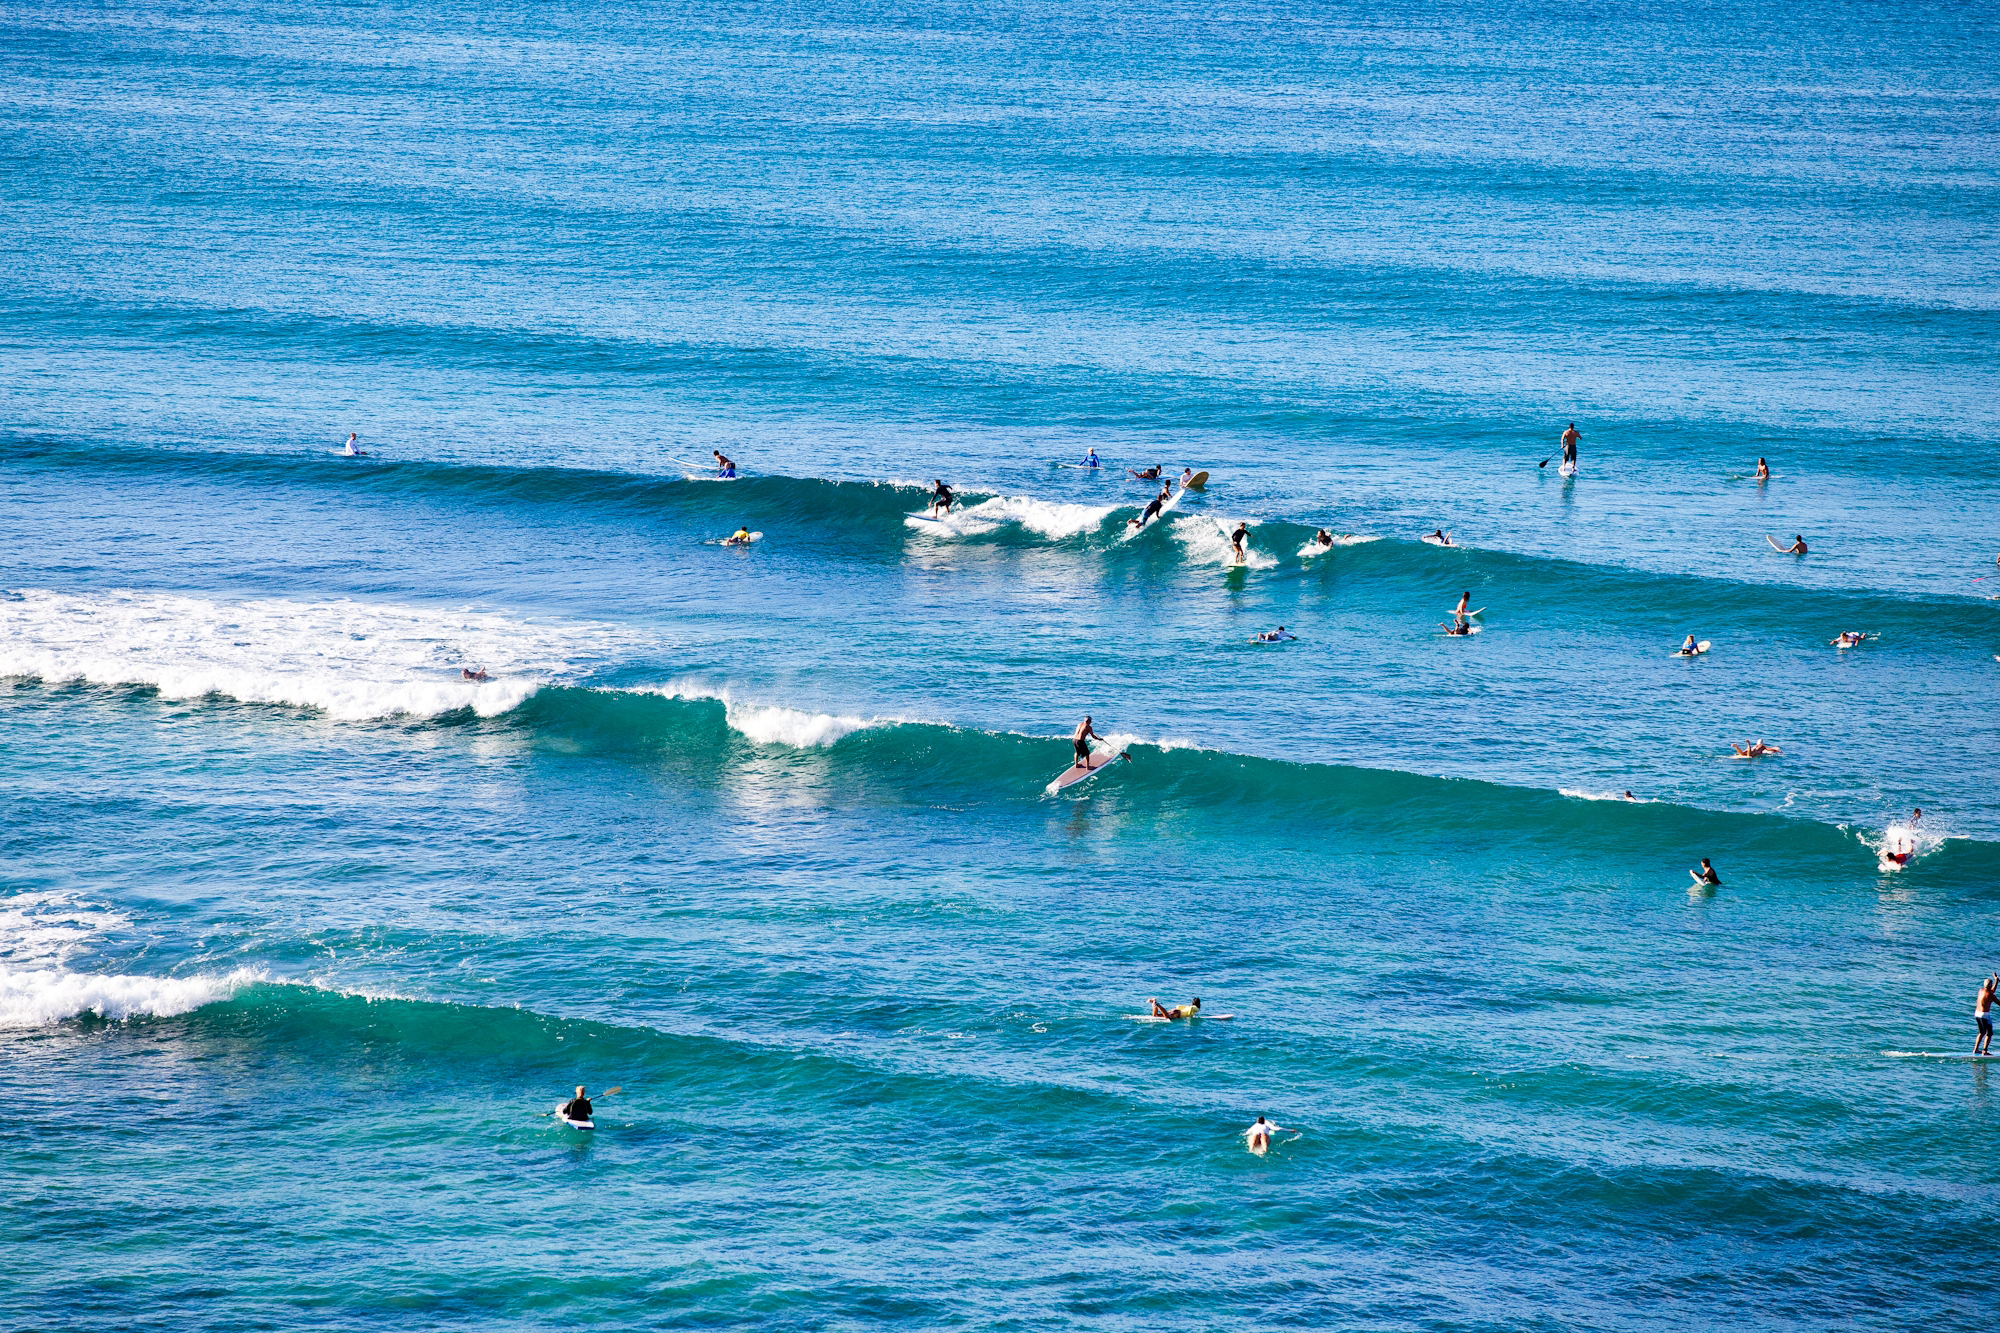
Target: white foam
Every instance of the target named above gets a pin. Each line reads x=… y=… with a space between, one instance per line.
x=1578 y=794
x=1313 y=548
x=1900 y=838
x=43 y=929
x=1207 y=541
x=350 y=660
x=776 y=724
x=1046 y=517
x=36 y=997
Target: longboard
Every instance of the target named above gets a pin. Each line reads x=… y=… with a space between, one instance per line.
x=1165 y=509
x=1781 y=550
x=1196 y=482
x=1076 y=773
x=696 y=476
x=1155 y=1018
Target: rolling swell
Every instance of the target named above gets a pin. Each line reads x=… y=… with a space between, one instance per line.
x=1395 y=814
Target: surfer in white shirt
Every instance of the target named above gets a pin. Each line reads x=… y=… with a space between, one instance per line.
x=353 y=449
x=1259 y=1134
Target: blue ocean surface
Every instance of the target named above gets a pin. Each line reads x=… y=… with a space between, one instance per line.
x=304 y=933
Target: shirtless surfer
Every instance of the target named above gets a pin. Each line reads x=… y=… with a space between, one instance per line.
x=1982 y=1014
x=1756 y=750
x=724 y=467
x=473 y=673
x=1798 y=546
x=1570 y=437
x=1188 y=1010
x=1763 y=470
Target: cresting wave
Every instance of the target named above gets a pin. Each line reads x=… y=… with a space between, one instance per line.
x=37 y=997
x=349 y=660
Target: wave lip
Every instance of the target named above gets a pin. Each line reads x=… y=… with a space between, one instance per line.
x=1052 y=519
x=38 y=997
x=777 y=724
x=350 y=660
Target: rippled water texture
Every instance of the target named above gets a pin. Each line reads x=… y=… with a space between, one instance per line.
x=302 y=931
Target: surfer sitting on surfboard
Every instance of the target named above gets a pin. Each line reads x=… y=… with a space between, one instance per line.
x=724 y=467
x=1688 y=647
x=1706 y=875
x=1188 y=1010
x=941 y=498
x=578 y=1107
x=351 y=450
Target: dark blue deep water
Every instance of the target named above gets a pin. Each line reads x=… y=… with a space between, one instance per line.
x=302 y=933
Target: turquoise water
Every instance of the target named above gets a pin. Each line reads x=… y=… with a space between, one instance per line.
x=300 y=932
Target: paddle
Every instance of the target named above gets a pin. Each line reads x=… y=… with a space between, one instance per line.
x=1545 y=461
x=598 y=1098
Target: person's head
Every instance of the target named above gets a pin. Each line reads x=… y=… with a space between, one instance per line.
x=579 y=1089
x=1195 y=1003
x=1260 y=1119
x=1760 y=462
x=1704 y=863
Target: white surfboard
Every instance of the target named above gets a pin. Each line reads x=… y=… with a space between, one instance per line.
x=1155 y=1018
x=1165 y=509
x=707 y=476
x=731 y=541
x=1480 y=612
x=1075 y=773
x=1567 y=469
x=1435 y=540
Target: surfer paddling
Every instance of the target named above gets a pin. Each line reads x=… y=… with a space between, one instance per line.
x=1323 y=539
x=1259 y=1135
x=1439 y=536
x=1189 y=1010
x=1756 y=750
x=740 y=537
x=1149 y=474
x=1852 y=638
x=1278 y=635
x=1982 y=1014
x=473 y=673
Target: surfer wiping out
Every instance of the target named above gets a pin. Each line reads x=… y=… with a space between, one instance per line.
x=1188 y=1010
x=1153 y=509
x=473 y=673
x=941 y=499
x=1757 y=750
x=1706 y=875
x=724 y=467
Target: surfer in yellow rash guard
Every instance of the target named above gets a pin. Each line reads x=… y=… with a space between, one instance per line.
x=1188 y=1010
x=741 y=537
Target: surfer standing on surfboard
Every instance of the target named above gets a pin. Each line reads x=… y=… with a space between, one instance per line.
x=1085 y=734
x=1982 y=1014
x=1570 y=437
x=941 y=498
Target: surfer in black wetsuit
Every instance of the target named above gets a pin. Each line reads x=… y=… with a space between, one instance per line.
x=1153 y=509
x=1706 y=876
x=941 y=498
x=1236 y=540
x=577 y=1108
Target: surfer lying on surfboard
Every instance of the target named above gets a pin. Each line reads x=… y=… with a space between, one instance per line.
x=1278 y=635
x=1153 y=509
x=1188 y=1010
x=1757 y=750
x=1439 y=536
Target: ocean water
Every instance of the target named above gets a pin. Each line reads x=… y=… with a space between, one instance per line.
x=302 y=934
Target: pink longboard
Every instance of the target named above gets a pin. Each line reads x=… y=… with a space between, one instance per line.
x=1076 y=773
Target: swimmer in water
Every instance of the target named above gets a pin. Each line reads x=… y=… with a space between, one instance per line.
x=1757 y=750
x=1188 y=1010
x=1706 y=876
x=1763 y=470
x=1629 y=796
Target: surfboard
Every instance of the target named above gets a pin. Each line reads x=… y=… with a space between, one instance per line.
x=1155 y=1018
x=1287 y=638
x=1165 y=509
x=1435 y=540
x=703 y=476
x=1087 y=467
x=924 y=516
x=1196 y=482
x=1937 y=1055
x=1076 y=773
x=342 y=453
x=1470 y=631
x=1699 y=649
x=1480 y=612
x=1781 y=550
x=1567 y=469
x=731 y=541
